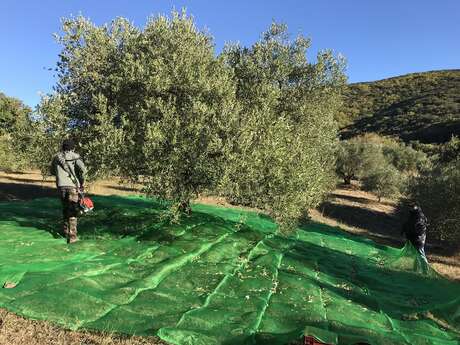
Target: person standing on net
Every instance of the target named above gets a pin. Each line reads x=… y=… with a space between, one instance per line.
x=70 y=171
x=415 y=229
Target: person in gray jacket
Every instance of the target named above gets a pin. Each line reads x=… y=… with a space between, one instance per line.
x=70 y=171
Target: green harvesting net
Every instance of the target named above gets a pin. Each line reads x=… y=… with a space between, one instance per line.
x=223 y=276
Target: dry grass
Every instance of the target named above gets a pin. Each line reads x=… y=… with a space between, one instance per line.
x=15 y=330
x=353 y=210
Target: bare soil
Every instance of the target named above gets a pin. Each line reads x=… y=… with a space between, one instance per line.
x=15 y=330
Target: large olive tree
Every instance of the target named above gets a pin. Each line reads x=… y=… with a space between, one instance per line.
x=154 y=105
x=283 y=153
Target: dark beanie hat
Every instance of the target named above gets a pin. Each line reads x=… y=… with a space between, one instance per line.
x=68 y=145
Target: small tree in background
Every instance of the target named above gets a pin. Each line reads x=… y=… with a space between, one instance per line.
x=405 y=158
x=384 y=181
x=356 y=157
x=14 y=118
x=285 y=142
x=382 y=164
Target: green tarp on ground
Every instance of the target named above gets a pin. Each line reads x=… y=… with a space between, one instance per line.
x=222 y=276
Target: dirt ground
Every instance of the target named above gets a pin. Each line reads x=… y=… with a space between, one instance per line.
x=354 y=211
x=15 y=330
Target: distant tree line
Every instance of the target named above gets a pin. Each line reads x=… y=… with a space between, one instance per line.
x=14 y=119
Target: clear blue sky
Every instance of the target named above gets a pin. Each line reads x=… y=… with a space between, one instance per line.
x=379 y=38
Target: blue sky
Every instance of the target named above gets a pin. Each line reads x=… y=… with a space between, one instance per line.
x=379 y=38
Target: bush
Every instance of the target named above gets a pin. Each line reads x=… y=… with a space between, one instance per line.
x=450 y=151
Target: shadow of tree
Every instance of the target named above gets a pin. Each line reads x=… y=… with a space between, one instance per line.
x=375 y=222
x=123 y=188
x=353 y=198
x=21 y=191
x=113 y=217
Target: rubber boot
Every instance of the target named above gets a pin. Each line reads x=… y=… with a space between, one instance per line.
x=65 y=229
x=72 y=238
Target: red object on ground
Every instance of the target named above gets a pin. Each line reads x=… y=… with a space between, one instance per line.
x=307 y=340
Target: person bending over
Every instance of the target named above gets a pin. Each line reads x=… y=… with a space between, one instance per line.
x=415 y=229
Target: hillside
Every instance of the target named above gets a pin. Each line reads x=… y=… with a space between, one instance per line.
x=419 y=106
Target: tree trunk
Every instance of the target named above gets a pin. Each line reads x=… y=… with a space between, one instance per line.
x=184 y=207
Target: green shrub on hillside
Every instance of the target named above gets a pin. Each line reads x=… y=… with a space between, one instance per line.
x=450 y=151
x=419 y=106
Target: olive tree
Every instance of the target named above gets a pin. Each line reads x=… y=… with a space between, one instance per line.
x=356 y=157
x=384 y=180
x=153 y=105
x=177 y=128
x=405 y=158
x=283 y=152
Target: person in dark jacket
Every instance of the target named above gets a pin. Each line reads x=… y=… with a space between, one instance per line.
x=70 y=172
x=415 y=229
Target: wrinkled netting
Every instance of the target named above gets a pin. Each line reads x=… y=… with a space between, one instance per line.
x=221 y=276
